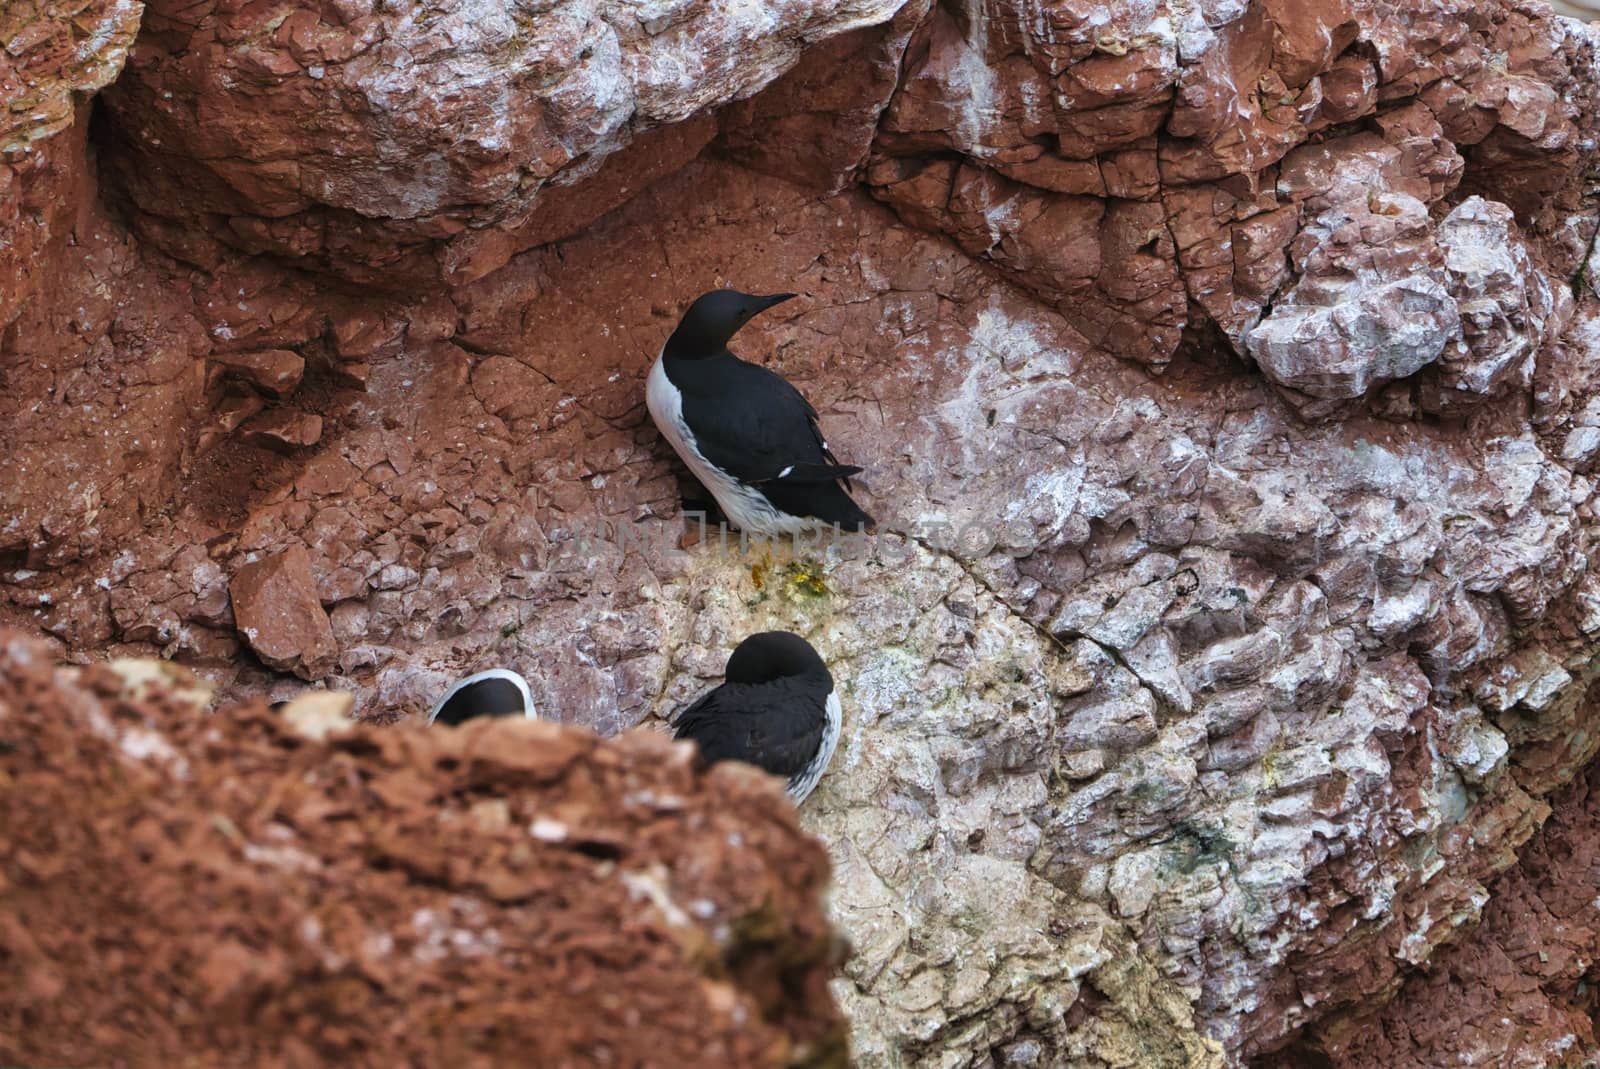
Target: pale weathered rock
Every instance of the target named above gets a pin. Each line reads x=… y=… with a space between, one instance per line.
x=316 y=714
x=1509 y=308
x=1369 y=306
x=276 y=609
x=145 y=680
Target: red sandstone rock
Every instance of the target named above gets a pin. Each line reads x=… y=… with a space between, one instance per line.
x=103 y=375
x=362 y=334
x=403 y=169
x=816 y=124
x=353 y=374
x=275 y=371
x=276 y=609
x=52 y=53
x=284 y=428
x=1166 y=108
x=1516 y=991
x=234 y=409
x=69 y=284
x=180 y=886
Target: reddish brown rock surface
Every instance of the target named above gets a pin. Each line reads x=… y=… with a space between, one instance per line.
x=1144 y=169
x=1521 y=989
x=52 y=52
x=273 y=371
x=182 y=887
x=1251 y=347
x=362 y=139
x=283 y=429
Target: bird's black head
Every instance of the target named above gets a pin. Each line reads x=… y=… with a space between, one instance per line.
x=496 y=692
x=714 y=318
x=770 y=655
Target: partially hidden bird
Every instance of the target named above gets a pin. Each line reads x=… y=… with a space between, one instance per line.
x=776 y=709
x=745 y=432
x=496 y=692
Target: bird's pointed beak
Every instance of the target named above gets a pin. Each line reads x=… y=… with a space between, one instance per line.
x=776 y=298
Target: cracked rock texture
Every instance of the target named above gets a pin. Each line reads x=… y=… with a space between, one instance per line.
x=1520 y=989
x=1233 y=366
x=55 y=51
x=184 y=887
x=396 y=143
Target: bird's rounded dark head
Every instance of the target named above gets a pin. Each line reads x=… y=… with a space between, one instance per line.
x=716 y=317
x=770 y=655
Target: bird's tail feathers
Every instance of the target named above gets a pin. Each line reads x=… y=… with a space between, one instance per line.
x=858 y=520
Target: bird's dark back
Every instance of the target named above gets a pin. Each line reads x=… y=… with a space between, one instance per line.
x=777 y=725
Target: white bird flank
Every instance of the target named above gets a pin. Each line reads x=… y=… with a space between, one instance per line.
x=806 y=782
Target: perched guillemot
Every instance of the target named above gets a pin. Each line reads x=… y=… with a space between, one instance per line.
x=496 y=692
x=743 y=430
x=776 y=709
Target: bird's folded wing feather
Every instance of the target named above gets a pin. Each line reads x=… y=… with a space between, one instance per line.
x=814 y=473
x=767 y=429
x=776 y=728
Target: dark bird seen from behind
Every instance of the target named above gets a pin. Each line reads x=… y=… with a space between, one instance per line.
x=776 y=709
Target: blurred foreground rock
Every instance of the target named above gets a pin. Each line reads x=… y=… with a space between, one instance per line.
x=179 y=888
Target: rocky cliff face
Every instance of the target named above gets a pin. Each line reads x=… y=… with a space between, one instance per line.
x=1233 y=367
x=1517 y=990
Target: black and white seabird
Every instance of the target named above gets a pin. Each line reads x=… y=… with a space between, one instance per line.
x=496 y=692
x=776 y=709
x=743 y=430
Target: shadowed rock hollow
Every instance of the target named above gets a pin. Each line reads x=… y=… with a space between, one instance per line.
x=1249 y=348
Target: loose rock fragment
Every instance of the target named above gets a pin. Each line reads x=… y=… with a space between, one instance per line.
x=276 y=609
x=317 y=714
x=284 y=429
x=274 y=371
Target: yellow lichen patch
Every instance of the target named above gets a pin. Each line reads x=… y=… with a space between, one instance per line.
x=806 y=579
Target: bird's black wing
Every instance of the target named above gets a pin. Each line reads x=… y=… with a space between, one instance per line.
x=777 y=726
x=758 y=428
